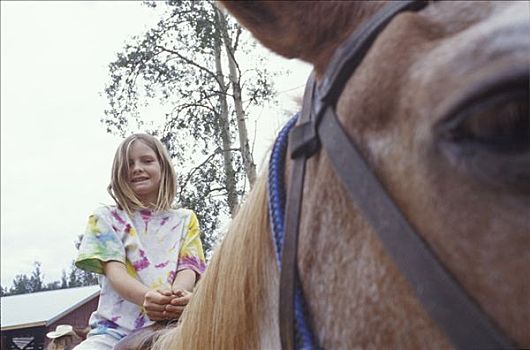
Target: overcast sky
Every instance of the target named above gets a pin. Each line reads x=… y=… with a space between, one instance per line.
x=55 y=153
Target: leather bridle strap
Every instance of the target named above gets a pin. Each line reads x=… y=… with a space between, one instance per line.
x=289 y=270
x=350 y=54
x=441 y=295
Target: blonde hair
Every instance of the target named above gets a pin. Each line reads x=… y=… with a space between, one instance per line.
x=119 y=187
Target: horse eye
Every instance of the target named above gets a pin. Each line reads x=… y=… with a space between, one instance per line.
x=500 y=125
x=489 y=138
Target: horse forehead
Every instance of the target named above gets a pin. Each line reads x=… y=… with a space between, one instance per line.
x=477 y=35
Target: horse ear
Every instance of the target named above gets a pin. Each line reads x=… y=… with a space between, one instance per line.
x=310 y=31
x=265 y=20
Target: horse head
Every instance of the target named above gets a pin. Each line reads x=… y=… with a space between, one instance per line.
x=439 y=108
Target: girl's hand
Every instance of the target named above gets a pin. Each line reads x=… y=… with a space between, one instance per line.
x=181 y=298
x=155 y=302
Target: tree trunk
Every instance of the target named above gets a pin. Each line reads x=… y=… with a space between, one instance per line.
x=246 y=154
x=224 y=124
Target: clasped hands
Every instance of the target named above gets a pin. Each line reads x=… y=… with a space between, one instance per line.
x=163 y=305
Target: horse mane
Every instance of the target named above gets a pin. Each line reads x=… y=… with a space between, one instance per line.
x=229 y=306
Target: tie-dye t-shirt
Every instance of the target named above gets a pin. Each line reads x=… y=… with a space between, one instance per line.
x=152 y=245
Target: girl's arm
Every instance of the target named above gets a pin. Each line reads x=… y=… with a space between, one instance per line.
x=185 y=279
x=124 y=284
x=191 y=261
x=131 y=289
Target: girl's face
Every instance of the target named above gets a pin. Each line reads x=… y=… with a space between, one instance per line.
x=144 y=172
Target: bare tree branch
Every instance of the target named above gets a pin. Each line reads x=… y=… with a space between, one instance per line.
x=187 y=60
x=206 y=161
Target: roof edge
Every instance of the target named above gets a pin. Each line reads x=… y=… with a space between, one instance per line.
x=24 y=325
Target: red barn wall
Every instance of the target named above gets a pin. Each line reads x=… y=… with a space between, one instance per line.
x=77 y=318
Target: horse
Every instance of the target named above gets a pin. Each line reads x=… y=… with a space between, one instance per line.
x=427 y=109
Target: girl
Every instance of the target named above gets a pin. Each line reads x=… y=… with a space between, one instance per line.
x=148 y=254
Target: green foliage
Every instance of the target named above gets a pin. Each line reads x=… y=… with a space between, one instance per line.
x=23 y=284
x=28 y=284
x=64 y=280
x=53 y=285
x=79 y=278
x=36 y=280
x=172 y=68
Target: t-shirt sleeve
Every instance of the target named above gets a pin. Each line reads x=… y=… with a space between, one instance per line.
x=100 y=243
x=191 y=255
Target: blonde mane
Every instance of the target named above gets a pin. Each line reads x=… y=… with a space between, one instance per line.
x=230 y=307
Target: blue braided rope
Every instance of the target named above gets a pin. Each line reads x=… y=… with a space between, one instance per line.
x=303 y=334
x=277 y=187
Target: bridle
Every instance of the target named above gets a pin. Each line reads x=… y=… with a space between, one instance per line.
x=318 y=127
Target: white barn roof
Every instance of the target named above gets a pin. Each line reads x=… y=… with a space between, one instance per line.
x=42 y=308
